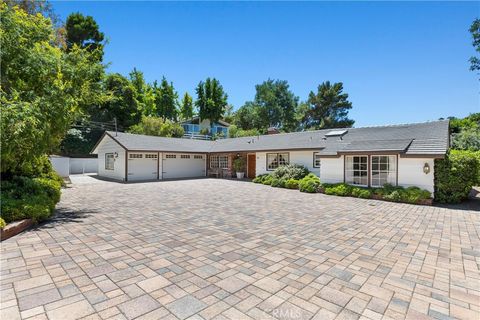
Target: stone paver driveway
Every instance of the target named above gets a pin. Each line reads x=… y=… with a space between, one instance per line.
x=235 y=250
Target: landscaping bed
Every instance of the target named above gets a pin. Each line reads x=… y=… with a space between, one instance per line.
x=29 y=198
x=298 y=177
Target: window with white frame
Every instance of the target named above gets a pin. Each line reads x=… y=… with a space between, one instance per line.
x=356 y=170
x=384 y=170
x=170 y=156
x=275 y=160
x=219 y=162
x=109 y=161
x=197 y=156
x=150 y=156
x=135 y=156
x=316 y=160
x=185 y=156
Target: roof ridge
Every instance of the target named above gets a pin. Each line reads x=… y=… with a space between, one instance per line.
x=343 y=128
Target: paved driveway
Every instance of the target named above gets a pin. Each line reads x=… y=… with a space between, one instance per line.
x=236 y=250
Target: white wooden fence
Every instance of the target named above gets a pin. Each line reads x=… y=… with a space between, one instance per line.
x=66 y=166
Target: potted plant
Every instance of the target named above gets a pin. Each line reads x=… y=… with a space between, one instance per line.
x=239 y=165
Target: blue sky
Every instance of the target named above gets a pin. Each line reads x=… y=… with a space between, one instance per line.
x=399 y=62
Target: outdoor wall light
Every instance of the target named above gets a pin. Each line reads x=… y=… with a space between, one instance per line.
x=426 y=168
x=116 y=154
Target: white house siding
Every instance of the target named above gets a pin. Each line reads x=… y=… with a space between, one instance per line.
x=109 y=146
x=331 y=170
x=410 y=173
x=298 y=157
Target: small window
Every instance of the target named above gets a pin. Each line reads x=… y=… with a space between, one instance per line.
x=135 y=156
x=197 y=156
x=109 y=161
x=275 y=160
x=150 y=156
x=185 y=156
x=316 y=160
x=171 y=156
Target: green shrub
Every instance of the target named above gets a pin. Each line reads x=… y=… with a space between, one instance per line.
x=414 y=194
x=291 y=184
x=267 y=180
x=2 y=223
x=259 y=178
x=24 y=197
x=309 y=183
x=290 y=171
x=275 y=183
x=358 y=192
x=394 y=196
x=340 y=189
x=455 y=176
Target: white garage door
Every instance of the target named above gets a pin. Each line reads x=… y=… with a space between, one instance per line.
x=179 y=165
x=142 y=166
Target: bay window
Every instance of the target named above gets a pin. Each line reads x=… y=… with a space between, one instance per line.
x=384 y=170
x=275 y=160
x=356 y=170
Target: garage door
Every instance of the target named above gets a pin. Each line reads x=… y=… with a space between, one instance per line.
x=178 y=165
x=142 y=166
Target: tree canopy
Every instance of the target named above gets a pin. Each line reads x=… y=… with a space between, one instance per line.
x=328 y=108
x=84 y=32
x=155 y=126
x=43 y=89
x=475 y=31
x=166 y=100
x=211 y=100
x=186 y=107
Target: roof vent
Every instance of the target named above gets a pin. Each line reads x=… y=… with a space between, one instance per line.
x=336 y=133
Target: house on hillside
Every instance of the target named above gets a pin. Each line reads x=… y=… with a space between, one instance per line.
x=372 y=156
x=195 y=126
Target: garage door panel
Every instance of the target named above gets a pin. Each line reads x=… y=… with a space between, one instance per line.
x=142 y=166
x=178 y=165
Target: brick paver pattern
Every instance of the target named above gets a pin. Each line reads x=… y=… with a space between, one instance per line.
x=219 y=249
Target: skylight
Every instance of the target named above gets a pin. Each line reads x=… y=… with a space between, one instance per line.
x=336 y=133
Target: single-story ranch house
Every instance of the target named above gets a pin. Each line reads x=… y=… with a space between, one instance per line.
x=371 y=156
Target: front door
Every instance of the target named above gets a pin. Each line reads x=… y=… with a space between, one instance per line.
x=251 y=166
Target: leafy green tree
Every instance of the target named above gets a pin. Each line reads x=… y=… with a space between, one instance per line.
x=467 y=139
x=211 y=100
x=274 y=106
x=328 y=108
x=166 y=100
x=123 y=105
x=156 y=126
x=229 y=115
x=145 y=93
x=43 y=89
x=235 y=132
x=247 y=117
x=186 y=108
x=84 y=32
x=475 y=31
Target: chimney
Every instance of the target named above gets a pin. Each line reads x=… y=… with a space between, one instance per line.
x=272 y=130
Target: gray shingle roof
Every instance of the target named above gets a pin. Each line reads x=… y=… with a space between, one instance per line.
x=152 y=143
x=429 y=138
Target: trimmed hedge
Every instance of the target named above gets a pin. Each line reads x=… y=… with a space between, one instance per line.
x=388 y=192
x=456 y=175
x=290 y=171
x=309 y=184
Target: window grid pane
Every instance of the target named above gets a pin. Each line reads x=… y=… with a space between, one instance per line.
x=356 y=170
x=383 y=170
